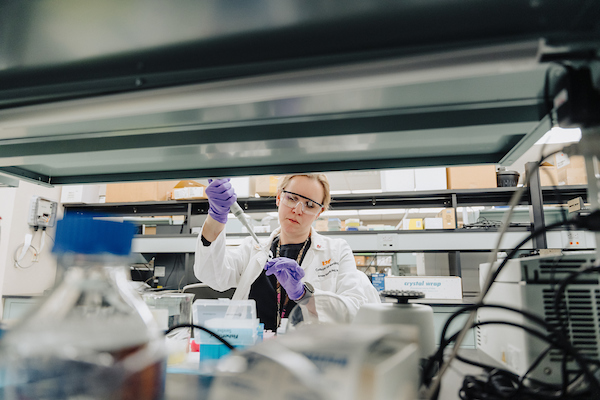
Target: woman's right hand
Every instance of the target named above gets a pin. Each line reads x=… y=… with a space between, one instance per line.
x=221 y=196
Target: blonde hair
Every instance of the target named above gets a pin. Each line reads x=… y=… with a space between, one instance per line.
x=321 y=178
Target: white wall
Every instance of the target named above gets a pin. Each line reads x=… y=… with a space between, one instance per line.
x=14 y=209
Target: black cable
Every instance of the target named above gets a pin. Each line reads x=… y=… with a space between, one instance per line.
x=430 y=366
x=567 y=348
x=439 y=355
x=533 y=366
x=213 y=334
x=579 y=221
x=561 y=341
x=494 y=276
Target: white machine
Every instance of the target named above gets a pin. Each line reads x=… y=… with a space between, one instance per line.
x=402 y=312
x=324 y=362
x=529 y=284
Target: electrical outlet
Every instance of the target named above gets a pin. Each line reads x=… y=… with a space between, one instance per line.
x=159 y=271
x=573 y=240
x=387 y=241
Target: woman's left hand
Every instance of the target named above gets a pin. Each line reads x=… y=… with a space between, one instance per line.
x=288 y=274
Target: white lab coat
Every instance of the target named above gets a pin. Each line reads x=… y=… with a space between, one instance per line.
x=340 y=289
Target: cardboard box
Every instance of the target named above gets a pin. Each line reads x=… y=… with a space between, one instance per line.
x=80 y=194
x=138 y=191
x=571 y=170
x=430 y=179
x=434 y=287
x=360 y=261
x=472 y=177
x=266 y=186
x=188 y=190
x=561 y=169
x=148 y=229
x=549 y=176
x=434 y=223
x=448 y=218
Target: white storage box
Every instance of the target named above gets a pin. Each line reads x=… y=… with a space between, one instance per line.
x=434 y=287
x=433 y=223
x=430 y=179
x=80 y=194
x=398 y=180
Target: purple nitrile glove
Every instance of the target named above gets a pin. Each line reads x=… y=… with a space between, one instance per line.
x=221 y=196
x=288 y=273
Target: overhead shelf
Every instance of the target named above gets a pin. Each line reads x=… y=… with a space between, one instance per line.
x=395 y=241
x=402 y=241
x=419 y=199
x=248 y=88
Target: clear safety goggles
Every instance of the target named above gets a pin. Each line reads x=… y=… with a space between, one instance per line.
x=291 y=200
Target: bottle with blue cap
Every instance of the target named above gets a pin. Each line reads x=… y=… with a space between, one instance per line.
x=93 y=337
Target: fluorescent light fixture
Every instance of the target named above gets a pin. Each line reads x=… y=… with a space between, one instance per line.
x=558 y=135
x=340 y=213
x=470 y=208
x=336 y=192
x=383 y=211
x=429 y=210
x=366 y=191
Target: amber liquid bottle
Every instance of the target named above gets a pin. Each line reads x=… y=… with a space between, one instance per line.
x=93 y=337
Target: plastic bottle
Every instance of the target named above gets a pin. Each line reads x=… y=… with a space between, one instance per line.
x=93 y=337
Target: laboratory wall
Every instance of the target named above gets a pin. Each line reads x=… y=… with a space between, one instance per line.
x=14 y=210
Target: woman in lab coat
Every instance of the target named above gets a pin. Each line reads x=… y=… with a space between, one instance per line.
x=306 y=268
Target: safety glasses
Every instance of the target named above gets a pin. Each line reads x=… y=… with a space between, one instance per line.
x=291 y=200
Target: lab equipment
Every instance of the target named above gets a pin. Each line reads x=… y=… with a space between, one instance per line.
x=531 y=284
x=332 y=362
x=169 y=310
x=93 y=337
x=288 y=274
x=221 y=196
x=219 y=312
x=402 y=312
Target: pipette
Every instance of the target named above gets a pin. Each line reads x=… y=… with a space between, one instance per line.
x=235 y=310
x=239 y=214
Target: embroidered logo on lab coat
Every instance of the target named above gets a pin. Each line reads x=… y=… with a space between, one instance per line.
x=327 y=267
